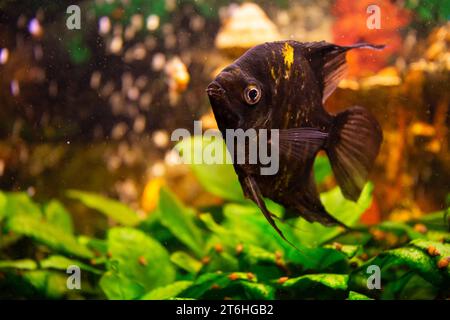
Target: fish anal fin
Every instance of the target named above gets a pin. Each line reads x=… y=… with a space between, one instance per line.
x=306 y=203
x=255 y=195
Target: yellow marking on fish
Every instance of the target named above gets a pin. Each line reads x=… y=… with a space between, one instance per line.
x=288 y=55
x=272 y=72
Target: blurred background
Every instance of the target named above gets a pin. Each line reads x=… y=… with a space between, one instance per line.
x=89 y=176
x=94 y=108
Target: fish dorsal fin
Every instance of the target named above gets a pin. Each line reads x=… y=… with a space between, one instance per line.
x=330 y=60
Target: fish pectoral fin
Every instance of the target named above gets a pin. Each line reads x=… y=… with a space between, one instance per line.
x=301 y=143
x=256 y=196
x=306 y=203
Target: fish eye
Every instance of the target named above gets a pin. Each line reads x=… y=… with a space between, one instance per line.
x=252 y=94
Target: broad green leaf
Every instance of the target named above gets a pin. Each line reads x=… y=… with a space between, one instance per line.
x=322 y=168
x=334 y=281
x=56 y=214
x=439 y=220
x=316 y=286
x=20 y=203
x=23 y=264
x=62 y=263
x=417 y=288
x=139 y=258
x=357 y=296
x=97 y=245
x=111 y=208
x=442 y=248
x=48 y=234
x=219 y=179
x=413 y=257
x=51 y=284
x=119 y=287
x=397 y=227
x=3 y=201
x=180 y=221
x=170 y=291
x=257 y=291
x=348 y=250
x=213 y=281
x=346 y=211
x=185 y=261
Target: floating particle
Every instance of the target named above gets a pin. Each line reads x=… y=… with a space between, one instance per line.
x=31 y=191
x=130 y=32
x=137 y=22
x=145 y=101
x=38 y=53
x=178 y=75
x=116 y=44
x=133 y=93
x=141 y=82
x=152 y=22
x=119 y=130
x=197 y=23
x=2 y=167
x=150 y=43
x=139 y=52
x=113 y=163
x=15 y=88
x=158 y=169
x=22 y=21
x=158 y=61
x=118 y=29
x=35 y=28
x=172 y=158
x=96 y=78
x=67 y=142
x=104 y=25
x=160 y=138
x=139 y=124
x=131 y=110
x=4 y=55
x=53 y=88
x=171 y=5
x=127 y=81
x=116 y=102
x=107 y=89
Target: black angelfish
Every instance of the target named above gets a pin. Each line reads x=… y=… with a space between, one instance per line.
x=283 y=85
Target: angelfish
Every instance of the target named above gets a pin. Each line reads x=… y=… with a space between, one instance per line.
x=283 y=85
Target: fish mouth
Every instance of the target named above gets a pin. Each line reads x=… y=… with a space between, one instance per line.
x=215 y=90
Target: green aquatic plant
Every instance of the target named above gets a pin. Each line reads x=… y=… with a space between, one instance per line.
x=225 y=251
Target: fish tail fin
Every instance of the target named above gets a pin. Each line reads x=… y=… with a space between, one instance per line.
x=353 y=144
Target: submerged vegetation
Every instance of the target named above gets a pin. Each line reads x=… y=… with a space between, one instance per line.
x=219 y=252
x=88 y=174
